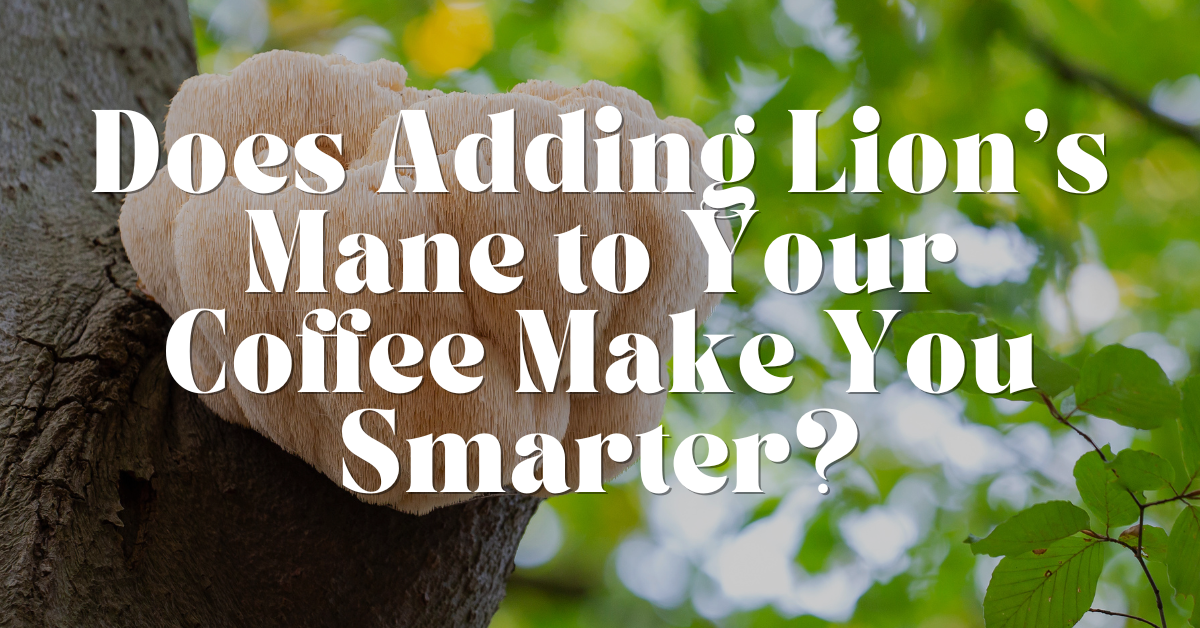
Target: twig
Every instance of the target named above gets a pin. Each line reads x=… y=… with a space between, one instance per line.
x=1061 y=419
x=1162 y=615
x=1168 y=500
x=1116 y=614
x=1137 y=552
x=1109 y=539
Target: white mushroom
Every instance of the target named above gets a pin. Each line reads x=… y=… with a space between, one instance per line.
x=190 y=252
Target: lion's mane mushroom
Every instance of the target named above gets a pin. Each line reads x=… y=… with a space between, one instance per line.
x=190 y=252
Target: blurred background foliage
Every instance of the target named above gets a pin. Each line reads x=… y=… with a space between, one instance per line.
x=885 y=548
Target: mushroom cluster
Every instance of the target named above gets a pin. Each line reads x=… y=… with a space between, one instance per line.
x=190 y=251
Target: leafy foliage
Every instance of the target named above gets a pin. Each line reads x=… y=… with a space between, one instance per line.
x=1032 y=529
x=1189 y=426
x=1110 y=502
x=1125 y=385
x=1139 y=470
x=1154 y=541
x=1183 y=557
x=1052 y=589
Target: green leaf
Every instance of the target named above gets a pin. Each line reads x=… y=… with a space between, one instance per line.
x=1183 y=556
x=1101 y=493
x=1050 y=376
x=1034 y=528
x=1139 y=470
x=1189 y=426
x=1154 y=542
x=1048 y=590
x=1127 y=386
x=765 y=509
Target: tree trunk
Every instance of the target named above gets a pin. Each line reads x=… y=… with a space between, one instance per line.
x=123 y=502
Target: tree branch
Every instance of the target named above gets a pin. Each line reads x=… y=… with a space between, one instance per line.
x=1171 y=499
x=1137 y=551
x=1116 y=614
x=1076 y=74
x=1061 y=419
x=1162 y=615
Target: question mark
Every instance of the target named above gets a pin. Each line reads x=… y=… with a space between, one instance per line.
x=812 y=435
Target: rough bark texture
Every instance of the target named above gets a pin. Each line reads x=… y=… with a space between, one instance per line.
x=123 y=502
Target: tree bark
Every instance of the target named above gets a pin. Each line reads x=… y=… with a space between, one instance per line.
x=123 y=501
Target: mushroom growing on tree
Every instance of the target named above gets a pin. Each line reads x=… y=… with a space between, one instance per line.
x=123 y=500
x=190 y=252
